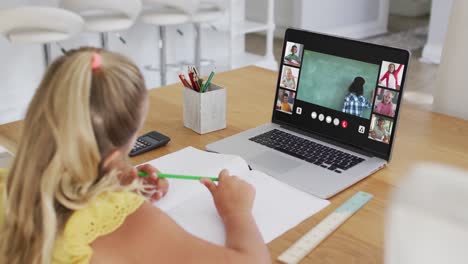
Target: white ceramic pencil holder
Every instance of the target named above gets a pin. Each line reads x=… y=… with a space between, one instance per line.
x=205 y=112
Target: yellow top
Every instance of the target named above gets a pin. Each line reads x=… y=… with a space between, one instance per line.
x=285 y=107
x=103 y=216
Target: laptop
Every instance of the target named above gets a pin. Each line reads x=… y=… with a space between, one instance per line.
x=334 y=116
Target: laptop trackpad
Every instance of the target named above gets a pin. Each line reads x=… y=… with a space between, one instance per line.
x=274 y=162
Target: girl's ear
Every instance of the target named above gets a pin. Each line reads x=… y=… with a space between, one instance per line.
x=111 y=158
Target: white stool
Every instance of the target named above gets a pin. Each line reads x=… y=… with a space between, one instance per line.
x=43 y=25
x=104 y=16
x=163 y=13
x=206 y=13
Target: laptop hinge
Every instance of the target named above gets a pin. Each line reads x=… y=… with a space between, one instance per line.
x=329 y=141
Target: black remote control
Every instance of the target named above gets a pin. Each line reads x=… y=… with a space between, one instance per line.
x=149 y=141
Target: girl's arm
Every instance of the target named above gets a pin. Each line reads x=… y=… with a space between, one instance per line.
x=385 y=76
x=150 y=236
x=399 y=68
x=367 y=103
x=377 y=108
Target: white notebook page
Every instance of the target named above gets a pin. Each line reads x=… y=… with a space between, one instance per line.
x=277 y=206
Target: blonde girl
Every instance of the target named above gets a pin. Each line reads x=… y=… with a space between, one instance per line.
x=71 y=195
x=386 y=106
x=288 y=79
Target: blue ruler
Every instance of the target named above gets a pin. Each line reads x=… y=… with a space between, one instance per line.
x=315 y=236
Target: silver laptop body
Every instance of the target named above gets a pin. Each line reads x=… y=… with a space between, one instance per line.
x=296 y=172
x=315 y=179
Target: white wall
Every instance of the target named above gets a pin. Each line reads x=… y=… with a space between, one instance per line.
x=440 y=12
x=354 y=19
x=334 y=13
x=286 y=13
x=19 y=73
x=451 y=91
x=411 y=8
x=22 y=65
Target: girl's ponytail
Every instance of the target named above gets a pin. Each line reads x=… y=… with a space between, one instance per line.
x=79 y=113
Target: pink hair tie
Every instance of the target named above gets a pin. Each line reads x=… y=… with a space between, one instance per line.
x=96 y=61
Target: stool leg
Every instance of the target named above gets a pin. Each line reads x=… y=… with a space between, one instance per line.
x=197 y=45
x=104 y=36
x=162 y=54
x=47 y=54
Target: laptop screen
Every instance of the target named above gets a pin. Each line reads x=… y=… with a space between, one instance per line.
x=342 y=89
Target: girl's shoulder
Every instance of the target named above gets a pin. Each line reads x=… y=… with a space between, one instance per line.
x=103 y=214
x=100 y=217
x=362 y=97
x=349 y=96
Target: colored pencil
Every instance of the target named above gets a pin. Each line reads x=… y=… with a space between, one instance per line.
x=176 y=176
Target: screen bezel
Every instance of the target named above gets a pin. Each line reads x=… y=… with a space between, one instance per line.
x=293 y=35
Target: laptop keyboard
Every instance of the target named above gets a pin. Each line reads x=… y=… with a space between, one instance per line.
x=307 y=150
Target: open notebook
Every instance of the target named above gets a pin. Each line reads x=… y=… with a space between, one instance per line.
x=277 y=207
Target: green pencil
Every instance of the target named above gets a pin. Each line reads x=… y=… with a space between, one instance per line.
x=174 y=176
x=207 y=83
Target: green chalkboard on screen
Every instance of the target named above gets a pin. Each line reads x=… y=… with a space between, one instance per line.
x=325 y=79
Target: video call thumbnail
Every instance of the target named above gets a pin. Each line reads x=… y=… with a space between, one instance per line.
x=293 y=54
x=338 y=83
x=285 y=101
x=289 y=76
x=380 y=129
x=391 y=75
x=385 y=102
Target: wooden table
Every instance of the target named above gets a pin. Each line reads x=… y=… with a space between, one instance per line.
x=422 y=136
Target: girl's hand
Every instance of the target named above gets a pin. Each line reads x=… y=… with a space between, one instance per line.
x=159 y=187
x=232 y=195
